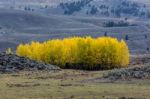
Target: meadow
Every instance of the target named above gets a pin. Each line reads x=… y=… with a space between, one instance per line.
x=69 y=84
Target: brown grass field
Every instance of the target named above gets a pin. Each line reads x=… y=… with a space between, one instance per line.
x=68 y=84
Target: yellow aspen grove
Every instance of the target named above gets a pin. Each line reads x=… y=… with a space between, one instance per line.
x=79 y=53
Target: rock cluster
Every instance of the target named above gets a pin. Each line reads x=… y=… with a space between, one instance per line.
x=12 y=63
x=141 y=72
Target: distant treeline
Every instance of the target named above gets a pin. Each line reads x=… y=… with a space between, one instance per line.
x=123 y=7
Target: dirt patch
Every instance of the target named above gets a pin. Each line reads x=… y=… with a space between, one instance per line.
x=51 y=77
x=23 y=85
x=68 y=85
x=67 y=74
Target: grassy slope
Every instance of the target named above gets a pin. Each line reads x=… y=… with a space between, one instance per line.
x=66 y=84
x=22 y=27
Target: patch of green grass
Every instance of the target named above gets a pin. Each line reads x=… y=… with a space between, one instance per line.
x=67 y=84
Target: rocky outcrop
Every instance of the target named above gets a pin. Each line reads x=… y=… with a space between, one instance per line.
x=10 y=63
x=139 y=72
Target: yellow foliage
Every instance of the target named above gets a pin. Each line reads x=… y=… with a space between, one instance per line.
x=77 y=52
x=9 y=51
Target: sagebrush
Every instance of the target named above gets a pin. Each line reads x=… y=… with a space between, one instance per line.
x=79 y=53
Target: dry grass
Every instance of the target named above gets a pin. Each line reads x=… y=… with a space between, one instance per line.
x=67 y=84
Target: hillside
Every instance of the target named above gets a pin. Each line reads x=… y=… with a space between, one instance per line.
x=111 y=8
x=103 y=8
x=36 y=1
x=38 y=20
x=22 y=27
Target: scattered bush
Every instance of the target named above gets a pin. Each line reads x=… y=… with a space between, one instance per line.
x=117 y=24
x=9 y=51
x=70 y=8
x=79 y=53
x=126 y=37
x=94 y=10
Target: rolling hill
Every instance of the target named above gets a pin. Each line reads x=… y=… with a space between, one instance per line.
x=109 y=8
x=23 y=21
x=99 y=8
x=21 y=27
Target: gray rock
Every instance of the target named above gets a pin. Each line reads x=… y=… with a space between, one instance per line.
x=142 y=72
x=10 y=63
